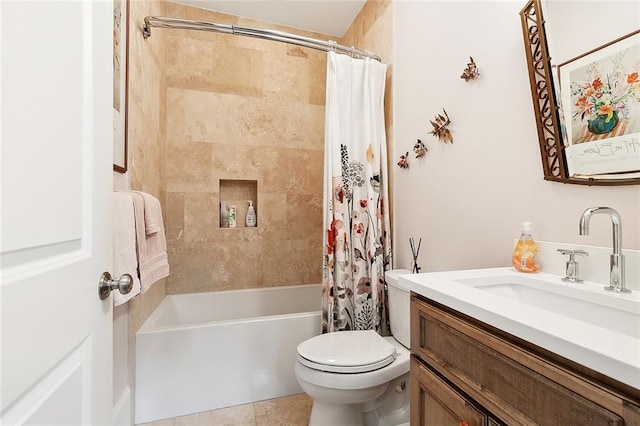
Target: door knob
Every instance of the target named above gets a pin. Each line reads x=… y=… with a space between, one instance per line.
x=106 y=284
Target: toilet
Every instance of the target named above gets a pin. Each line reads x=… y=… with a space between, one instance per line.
x=359 y=377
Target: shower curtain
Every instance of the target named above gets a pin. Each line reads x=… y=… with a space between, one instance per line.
x=357 y=247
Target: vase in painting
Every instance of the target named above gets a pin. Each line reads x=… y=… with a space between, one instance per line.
x=601 y=125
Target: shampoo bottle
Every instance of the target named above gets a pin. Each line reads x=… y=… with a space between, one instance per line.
x=251 y=215
x=525 y=254
x=232 y=216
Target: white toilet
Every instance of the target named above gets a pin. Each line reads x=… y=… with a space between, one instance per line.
x=359 y=377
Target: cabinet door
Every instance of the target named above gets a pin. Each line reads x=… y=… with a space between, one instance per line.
x=434 y=402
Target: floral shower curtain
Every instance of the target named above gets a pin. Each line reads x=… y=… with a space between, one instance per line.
x=357 y=248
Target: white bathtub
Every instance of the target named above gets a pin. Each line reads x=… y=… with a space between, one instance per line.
x=203 y=351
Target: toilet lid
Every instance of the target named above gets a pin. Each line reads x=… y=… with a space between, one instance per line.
x=346 y=352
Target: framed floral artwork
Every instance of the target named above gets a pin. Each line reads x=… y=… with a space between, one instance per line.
x=120 y=79
x=600 y=97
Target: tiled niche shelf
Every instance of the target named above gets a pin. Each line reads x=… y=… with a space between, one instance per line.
x=237 y=192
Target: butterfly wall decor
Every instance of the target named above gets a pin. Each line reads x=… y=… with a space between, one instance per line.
x=420 y=149
x=440 y=129
x=471 y=72
x=404 y=161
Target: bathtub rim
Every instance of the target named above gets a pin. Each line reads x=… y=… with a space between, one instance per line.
x=205 y=324
x=146 y=327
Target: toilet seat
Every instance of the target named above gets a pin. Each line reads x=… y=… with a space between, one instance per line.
x=346 y=352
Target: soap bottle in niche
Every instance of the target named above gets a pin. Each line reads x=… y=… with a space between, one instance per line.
x=525 y=254
x=232 y=216
x=251 y=215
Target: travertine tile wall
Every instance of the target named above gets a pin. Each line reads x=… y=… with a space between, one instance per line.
x=246 y=109
x=146 y=127
x=206 y=107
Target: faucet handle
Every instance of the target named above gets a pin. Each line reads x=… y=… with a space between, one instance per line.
x=572 y=267
x=571 y=253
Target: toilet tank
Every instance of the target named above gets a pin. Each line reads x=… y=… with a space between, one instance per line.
x=398 y=298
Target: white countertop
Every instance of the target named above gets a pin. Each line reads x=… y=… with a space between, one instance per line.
x=600 y=348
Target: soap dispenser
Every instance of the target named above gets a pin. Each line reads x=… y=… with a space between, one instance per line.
x=525 y=254
x=251 y=215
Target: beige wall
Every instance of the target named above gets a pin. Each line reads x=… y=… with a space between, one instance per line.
x=146 y=168
x=236 y=108
x=146 y=127
x=240 y=108
x=467 y=199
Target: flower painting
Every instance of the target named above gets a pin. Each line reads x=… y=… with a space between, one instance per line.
x=605 y=94
x=603 y=103
x=600 y=93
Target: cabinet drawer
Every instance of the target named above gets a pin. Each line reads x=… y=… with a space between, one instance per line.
x=434 y=402
x=485 y=367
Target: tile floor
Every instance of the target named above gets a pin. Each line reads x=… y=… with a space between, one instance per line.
x=291 y=410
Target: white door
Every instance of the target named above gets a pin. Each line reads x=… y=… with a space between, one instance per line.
x=56 y=179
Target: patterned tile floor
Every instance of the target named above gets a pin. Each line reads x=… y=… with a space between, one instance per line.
x=291 y=410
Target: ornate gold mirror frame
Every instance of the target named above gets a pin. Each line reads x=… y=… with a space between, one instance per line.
x=545 y=104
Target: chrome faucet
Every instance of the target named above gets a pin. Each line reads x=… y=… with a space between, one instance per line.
x=616 y=274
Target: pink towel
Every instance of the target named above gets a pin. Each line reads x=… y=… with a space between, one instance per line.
x=125 y=260
x=151 y=248
x=152 y=213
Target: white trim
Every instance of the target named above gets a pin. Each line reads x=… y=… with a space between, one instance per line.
x=122 y=409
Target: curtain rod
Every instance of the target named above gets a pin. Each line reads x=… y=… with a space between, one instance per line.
x=187 y=24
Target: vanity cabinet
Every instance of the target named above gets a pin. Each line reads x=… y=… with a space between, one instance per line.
x=466 y=372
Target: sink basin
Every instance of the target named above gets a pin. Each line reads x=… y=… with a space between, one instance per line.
x=584 y=303
x=579 y=321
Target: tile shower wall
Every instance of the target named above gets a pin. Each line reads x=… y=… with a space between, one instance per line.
x=146 y=128
x=246 y=109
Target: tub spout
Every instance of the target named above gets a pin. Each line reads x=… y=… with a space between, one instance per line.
x=616 y=267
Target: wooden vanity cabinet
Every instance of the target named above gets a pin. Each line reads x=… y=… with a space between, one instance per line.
x=466 y=372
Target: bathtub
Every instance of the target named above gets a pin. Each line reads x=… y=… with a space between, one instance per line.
x=202 y=351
